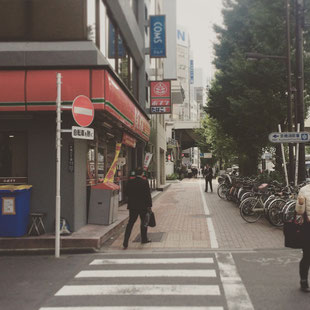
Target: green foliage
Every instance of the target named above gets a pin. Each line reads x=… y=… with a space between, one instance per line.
x=266 y=177
x=215 y=141
x=172 y=176
x=247 y=99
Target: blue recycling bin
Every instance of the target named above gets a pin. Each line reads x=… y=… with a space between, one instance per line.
x=14 y=210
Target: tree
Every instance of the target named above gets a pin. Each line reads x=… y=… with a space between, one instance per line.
x=215 y=141
x=247 y=99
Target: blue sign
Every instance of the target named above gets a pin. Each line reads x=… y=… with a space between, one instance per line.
x=192 y=71
x=120 y=47
x=289 y=137
x=158 y=36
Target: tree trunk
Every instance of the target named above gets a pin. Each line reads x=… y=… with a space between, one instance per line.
x=248 y=163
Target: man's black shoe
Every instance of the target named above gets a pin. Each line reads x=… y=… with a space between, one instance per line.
x=304 y=286
x=147 y=241
x=125 y=246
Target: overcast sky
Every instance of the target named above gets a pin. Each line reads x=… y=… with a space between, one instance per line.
x=198 y=17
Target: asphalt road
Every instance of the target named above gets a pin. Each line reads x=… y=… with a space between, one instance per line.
x=263 y=279
x=244 y=276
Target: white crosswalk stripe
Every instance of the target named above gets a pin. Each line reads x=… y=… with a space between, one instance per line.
x=132 y=308
x=74 y=290
x=145 y=273
x=171 y=283
x=207 y=260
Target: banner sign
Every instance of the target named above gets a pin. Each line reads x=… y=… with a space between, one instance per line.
x=109 y=178
x=158 y=36
x=160 y=97
x=129 y=140
x=147 y=160
x=191 y=71
x=111 y=44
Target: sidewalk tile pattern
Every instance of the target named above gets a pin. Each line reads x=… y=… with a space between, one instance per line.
x=180 y=216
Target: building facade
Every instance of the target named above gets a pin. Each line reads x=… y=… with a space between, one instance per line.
x=99 y=49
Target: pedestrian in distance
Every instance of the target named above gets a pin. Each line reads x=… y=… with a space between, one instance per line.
x=208 y=175
x=139 y=203
x=303 y=216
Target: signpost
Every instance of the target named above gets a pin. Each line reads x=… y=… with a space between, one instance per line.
x=82 y=133
x=58 y=165
x=289 y=137
x=83 y=111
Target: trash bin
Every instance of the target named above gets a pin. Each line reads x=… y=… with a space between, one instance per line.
x=15 y=207
x=103 y=204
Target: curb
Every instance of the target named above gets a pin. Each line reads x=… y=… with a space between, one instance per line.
x=45 y=246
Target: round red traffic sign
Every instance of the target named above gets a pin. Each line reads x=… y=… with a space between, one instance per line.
x=83 y=111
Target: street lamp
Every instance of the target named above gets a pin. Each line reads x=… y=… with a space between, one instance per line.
x=299 y=12
x=257 y=56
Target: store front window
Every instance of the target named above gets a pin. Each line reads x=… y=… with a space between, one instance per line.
x=13 y=157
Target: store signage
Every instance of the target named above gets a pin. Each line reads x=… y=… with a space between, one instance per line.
x=289 y=137
x=207 y=155
x=8 y=206
x=82 y=133
x=110 y=175
x=13 y=180
x=158 y=36
x=121 y=107
x=129 y=140
x=83 y=111
x=120 y=46
x=71 y=158
x=191 y=71
x=160 y=97
x=147 y=160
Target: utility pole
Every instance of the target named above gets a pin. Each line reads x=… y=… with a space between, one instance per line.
x=289 y=89
x=299 y=8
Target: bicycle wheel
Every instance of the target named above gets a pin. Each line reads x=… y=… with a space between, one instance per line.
x=289 y=211
x=222 y=190
x=246 y=195
x=251 y=209
x=275 y=212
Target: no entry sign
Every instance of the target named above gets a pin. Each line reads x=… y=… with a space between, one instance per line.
x=83 y=111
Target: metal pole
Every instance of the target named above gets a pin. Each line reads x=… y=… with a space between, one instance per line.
x=289 y=88
x=300 y=84
x=284 y=161
x=297 y=157
x=58 y=166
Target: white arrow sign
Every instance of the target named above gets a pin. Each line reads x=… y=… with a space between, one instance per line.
x=289 y=137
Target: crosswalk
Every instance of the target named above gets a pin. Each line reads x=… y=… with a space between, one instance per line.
x=141 y=282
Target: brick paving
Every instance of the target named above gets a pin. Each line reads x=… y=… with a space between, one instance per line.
x=180 y=217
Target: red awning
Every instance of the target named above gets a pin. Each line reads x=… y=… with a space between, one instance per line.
x=42 y=91
x=35 y=90
x=12 y=90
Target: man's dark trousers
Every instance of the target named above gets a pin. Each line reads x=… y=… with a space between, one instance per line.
x=133 y=215
x=208 y=181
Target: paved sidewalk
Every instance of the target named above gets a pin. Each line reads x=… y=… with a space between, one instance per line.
x=87 y=239
x=186 y=217
x=182 y=223
x=180 y=219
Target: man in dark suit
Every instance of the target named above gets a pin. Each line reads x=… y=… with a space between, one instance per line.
x=208 y=174
x=139 y=203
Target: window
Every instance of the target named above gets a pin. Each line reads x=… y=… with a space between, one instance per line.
x=91 y=20
x=13 y=157
x=37 y=20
